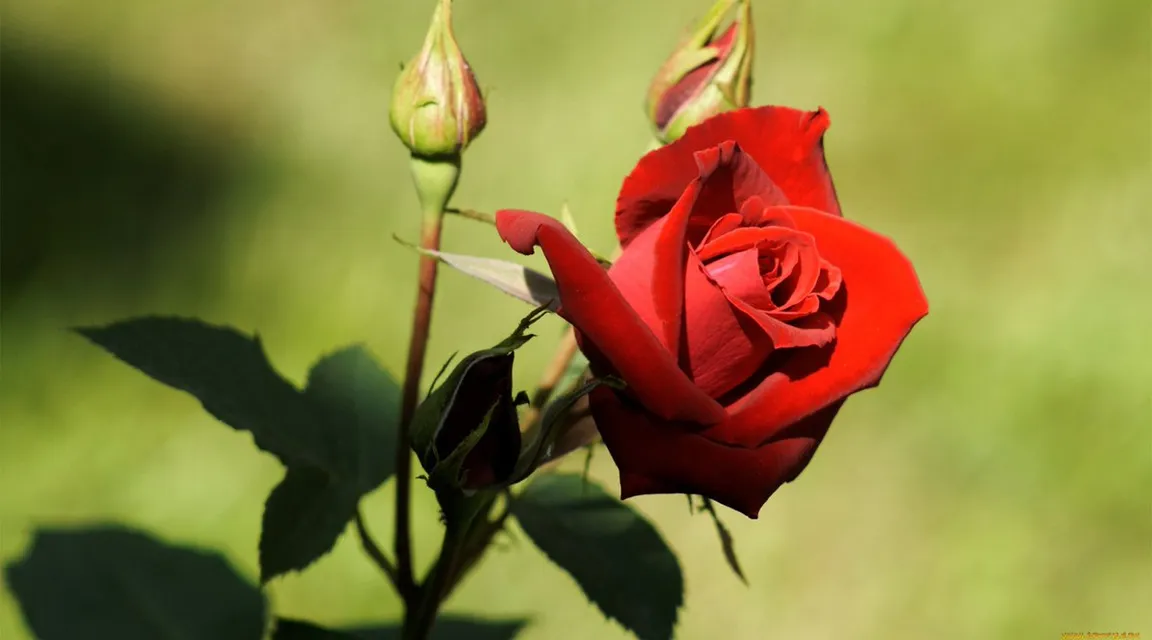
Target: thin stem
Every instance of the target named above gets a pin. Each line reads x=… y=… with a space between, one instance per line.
x=472 y=214
x=479 y=545
x=435 y=182
x=421 y=321
x=458 y=545
x=554 y=372
x=375 y=553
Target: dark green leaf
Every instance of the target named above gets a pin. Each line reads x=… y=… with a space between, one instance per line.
x=113 y=582
x=362 y=402
x=337 y=438
x=306 y=513
x=726 y=541
x=303 y=518
x=229 y=374
x=289 y=629
x=616 y=556
x=447 y=628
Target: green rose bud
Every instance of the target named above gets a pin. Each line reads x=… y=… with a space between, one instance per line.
x=706 y=75
x=437 y=109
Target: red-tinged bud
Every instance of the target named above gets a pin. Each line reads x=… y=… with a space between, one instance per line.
x=481 y=407
x=467 y=431
x=437 y=109
x=709 y=73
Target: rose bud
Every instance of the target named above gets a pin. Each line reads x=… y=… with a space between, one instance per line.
x=437 y=109
x=709 y=73
x=467 y=432
x=741 y=313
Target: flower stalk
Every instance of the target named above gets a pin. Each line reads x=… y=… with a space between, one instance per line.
x=436 y=111
x=435 y=182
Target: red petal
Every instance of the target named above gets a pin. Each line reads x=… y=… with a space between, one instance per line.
x=738 y=274
x=758 y=214
x=724 y=348
x=667 y=276
x=592 y=304
x=653 y=187
x=829 y=283
x=650 y=271
x=660 y=457
x=743 y=288
x=882 y=301
x=724 y=224
x=786 y=143
x=747 y=237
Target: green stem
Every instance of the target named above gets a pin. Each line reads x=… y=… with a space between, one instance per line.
x=472 y=214
x=462 y=545
x=435 y=180
x=373 y=550
x=477 y=544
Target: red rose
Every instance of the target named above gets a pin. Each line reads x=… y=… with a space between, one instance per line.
x=742 y=312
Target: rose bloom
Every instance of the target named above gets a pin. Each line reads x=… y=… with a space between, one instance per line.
x=741 y=313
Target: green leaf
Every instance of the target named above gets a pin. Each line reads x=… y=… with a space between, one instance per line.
x=516 y=280
x=230 y=375
x=289 y=629
x=726 y=541
x=448 y=627
x=303 y=518
x=361 y=402
x=112 y=582
x=337 y=437
x=307 y=512
x=616 y=556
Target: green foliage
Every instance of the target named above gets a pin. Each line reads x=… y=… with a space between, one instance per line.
x=361 y=401
x=230 y=375
x=616 y=556
x=447 y=628
x=112 y=582
x=336 y=438
x=543 y=436
x=303 y=517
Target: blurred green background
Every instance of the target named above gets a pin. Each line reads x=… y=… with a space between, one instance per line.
x=232 y=160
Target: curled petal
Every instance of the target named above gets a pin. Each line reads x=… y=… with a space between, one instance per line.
x=724 y=224
x=738 y=274
x=724 y=347
x=592 y=303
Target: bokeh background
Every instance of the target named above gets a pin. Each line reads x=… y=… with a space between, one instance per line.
x=232 y=160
